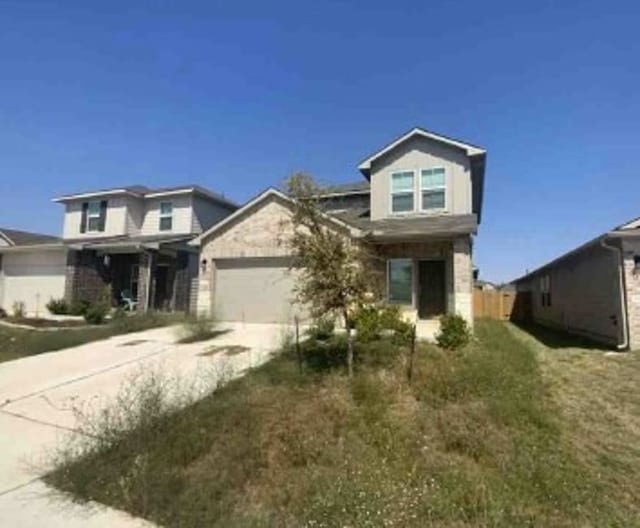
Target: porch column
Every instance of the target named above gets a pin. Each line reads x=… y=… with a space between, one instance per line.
x=145 y=280
x=463 y=279
x=205 y=296
x=632 y=282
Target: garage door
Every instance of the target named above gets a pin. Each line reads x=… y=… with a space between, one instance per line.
x=255 y=290
x=32 y=278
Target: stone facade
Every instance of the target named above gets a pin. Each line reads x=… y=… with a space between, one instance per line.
x=632 y=282
x=463 y=279
x=261 y=232
x=146 y=268
x=458 y=269
x=86 y=276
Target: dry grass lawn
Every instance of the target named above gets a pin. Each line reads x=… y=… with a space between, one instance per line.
x=509 y=432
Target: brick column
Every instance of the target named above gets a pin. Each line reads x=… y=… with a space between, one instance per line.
x=463 y=279
x=145 y=280
x=205 y=296
x=632 y=282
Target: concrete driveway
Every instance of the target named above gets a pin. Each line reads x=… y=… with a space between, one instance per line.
x=38 y=395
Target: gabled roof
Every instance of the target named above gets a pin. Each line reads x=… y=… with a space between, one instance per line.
x=628 y=230
x=15 y=237
x=142 y=191
x=265 y=195
x=470 y=150
x=342 y=189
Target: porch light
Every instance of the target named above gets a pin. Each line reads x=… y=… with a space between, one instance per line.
x=203 y=266
x=106 y=260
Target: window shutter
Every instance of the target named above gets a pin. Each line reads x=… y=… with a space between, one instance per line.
x=83 y=218
x=103 y=215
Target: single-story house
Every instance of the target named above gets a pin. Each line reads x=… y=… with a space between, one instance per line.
x=593 y=290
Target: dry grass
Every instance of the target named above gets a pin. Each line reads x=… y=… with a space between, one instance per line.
x=598 y=394
x=502 y=434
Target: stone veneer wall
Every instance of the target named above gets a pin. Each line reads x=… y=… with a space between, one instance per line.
x=145 y=283
x=632 y=282
x=85 y=276
x=463 y=278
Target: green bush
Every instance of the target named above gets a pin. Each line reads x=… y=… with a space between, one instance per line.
x=3 y=313
x=96 y=314
x=58 y=306
x=323 y=328
x=197 y=328
x=454 y=332
x=372 y=322
x=79 y=307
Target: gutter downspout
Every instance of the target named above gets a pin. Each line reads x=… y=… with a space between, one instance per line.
x=623 y=295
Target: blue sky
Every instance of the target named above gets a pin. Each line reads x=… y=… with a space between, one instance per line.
x=237 y=95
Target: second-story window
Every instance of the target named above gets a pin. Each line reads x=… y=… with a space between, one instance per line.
x=402 y=192
x=433 y=189
x=93 y=216
x=166 y=216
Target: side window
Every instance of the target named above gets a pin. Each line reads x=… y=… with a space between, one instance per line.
x=433 y=189
x=402 y=192
x=166 y=216
x=400 y=281
x=93 y=216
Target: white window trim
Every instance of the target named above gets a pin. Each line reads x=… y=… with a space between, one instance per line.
x=413 y=282
x=391 y=193
x=444 y=187
x=91 y=216
x=165 y=215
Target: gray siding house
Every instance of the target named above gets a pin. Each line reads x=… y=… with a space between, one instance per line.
x=418 y=208
x=135 y=241
x=593 y=290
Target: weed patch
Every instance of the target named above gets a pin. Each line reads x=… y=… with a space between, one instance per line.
x=475 y=439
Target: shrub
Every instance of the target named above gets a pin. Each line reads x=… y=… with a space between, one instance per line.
x=19 y=309
x=323 y=328
x=96 y=314
x=3 y=313
x=454 y=332
x=79 y=307
x=371 y=322
x=58 y=306
x=197 y=328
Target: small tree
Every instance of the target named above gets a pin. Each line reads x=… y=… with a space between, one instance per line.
x=336 y=275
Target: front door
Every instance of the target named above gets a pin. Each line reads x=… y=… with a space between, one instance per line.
x=431 y=288
x=161 y=301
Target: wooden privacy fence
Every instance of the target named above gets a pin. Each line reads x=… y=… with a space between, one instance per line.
x=494 y=304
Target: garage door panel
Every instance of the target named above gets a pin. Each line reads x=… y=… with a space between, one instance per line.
x=255 y=291
x=32 y=278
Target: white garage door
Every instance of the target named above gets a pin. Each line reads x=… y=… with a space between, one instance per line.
x=32 y=278
x=255 y=290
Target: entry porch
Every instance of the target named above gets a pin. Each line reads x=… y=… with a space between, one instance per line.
x=428 y=279
x=139 y=276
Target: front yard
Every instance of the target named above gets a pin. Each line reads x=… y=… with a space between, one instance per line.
x=506 y=433
x=21 y=342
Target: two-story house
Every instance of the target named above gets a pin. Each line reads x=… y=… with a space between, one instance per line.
x=134 y=240
x=418 y=208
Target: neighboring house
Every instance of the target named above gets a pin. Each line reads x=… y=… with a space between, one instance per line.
x=593 y=290
x=32 y=270
x=418 y=210
x=134 y=240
